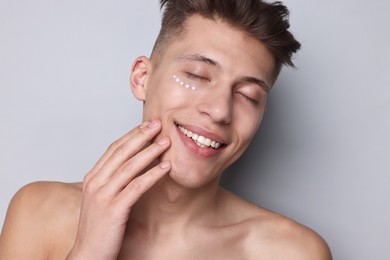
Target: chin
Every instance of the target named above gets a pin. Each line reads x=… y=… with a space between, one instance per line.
x=191 y=177
x=189 y=170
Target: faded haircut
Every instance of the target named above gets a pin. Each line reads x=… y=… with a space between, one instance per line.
x=266 y=22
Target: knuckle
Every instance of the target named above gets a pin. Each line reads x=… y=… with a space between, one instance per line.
x=147 y=133
x=157 y=148
x=136 y=185
x=113 y=146
x=142 y=134
x=117 y=144
x=87 y=179
x=90 y=187
x=127 y=168
x=153 y=151
x=119 y=153
x=154 y=173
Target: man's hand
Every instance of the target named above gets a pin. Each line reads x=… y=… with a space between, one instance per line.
x=113 y=186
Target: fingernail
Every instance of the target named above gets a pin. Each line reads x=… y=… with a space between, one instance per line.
x=163 y=141
x=144 y=124
x=153 y=124
x=165 y=165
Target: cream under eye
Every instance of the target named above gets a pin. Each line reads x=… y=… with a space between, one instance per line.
x=181 y=82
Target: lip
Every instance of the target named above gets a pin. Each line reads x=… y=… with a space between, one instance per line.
x=200 y=131
x=206 y=152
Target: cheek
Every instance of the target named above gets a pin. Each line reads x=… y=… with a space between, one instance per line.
x=166 y=96
x=248 y=124
x=249 y=132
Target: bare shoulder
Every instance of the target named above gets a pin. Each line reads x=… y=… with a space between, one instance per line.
x=285 y=238
x=272 y=236
x=41 y=217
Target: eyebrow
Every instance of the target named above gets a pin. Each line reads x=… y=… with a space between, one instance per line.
x=200 y=58
x=214 y=63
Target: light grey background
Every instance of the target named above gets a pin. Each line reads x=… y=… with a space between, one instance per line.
x=322 y=153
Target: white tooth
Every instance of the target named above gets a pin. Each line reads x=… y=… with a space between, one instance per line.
x=201 y=139
x=200 y=145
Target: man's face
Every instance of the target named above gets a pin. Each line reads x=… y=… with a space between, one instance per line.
x=231 y=73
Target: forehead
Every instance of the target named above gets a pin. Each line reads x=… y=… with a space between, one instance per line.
x=235 y=51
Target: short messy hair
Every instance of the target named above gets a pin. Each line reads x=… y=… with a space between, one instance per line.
x=266 y=22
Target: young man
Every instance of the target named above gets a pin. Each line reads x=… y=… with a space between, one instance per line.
x=154 y=194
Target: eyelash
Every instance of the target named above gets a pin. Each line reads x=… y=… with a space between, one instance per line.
x=195 y=77
x=250 y=100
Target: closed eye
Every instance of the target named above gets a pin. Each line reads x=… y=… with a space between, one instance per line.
x=249 y=99
x=196 y=77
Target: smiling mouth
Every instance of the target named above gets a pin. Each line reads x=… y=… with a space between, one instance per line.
x=199 y=140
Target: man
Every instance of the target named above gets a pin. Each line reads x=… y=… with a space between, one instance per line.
x=154 y=194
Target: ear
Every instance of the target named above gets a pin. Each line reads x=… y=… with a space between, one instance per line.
x=139 y=72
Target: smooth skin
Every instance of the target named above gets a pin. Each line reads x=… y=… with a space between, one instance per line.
x=153 y=195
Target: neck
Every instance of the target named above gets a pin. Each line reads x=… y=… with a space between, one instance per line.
x=168 y=205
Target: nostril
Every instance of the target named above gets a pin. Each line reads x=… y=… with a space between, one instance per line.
x=218 y=108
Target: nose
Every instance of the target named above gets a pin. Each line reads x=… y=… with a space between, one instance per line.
x=218 y=105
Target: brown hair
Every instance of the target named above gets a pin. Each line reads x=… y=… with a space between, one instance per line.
x=267 y=22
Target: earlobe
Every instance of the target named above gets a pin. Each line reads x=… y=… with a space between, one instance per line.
x=139 y=72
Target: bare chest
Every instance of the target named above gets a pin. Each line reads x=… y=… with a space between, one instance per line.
x=188 y=252
x=218 y=245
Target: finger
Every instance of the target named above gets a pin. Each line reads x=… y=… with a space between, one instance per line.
x=116 y=144
x=135 y=166
x=111 y=149
x=134 y=190
x=128 y=149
